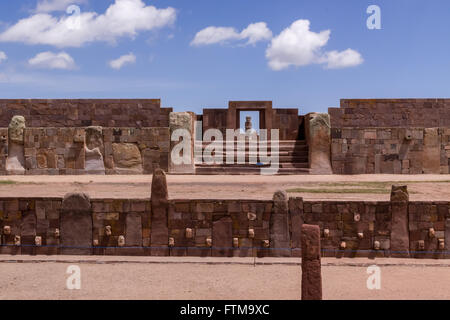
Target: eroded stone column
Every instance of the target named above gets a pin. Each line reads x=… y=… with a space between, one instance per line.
x=399 y=228
x=280 y=240
x=94 y=150
x=15 y=163
x=76 y=224
x=182 y=149
x=318 y=136
x=160 y=210
x=296 y=222
x=311 y=265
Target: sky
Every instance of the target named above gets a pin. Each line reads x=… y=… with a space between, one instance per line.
x=195 y=54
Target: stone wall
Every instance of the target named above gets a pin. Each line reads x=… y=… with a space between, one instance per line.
x=390 y=150
x=230 y=227
x=54 y=150
x=403 y=113
x=86 y=112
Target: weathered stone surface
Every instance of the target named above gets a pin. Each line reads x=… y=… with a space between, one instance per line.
x=133 y=231
x=222 y=238
x=311 y=265
x=15 y=162
x=15 y=129
x=76 y=224
x=447 y=238
x=127 y=158
x=160 y=211
x=185 y=122
x=94 y=151
x=399 y=193
x=279 y=226
x=431 y=151
x=318 y=135
x=400 y=231
x=296 y=214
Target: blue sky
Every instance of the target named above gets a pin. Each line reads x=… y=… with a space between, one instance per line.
x=309 y=68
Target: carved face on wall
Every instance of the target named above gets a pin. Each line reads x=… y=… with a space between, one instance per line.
x=16 y=129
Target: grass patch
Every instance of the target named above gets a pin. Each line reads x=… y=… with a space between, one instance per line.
x=7 y=182
x=354 y=190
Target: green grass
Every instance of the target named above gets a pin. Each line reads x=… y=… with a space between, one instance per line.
x=7 y=182
x=324 y=190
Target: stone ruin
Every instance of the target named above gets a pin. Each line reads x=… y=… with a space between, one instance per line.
x=409 y=136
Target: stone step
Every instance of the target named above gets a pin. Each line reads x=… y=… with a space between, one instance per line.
x=268 y=143
x=246 y=171
x=251 y=165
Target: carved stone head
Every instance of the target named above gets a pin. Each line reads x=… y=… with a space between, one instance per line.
x=16 y=129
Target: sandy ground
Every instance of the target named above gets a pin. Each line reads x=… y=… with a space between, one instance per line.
x=141 y=278
x=422 y=187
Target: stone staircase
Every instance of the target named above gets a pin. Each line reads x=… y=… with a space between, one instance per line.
x=292 y=159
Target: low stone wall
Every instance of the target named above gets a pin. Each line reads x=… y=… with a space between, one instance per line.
x=223 y=227
x=390 y=150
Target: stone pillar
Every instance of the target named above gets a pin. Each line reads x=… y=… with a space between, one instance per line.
x=399 y=228
x=15 y=163
x=318 y=136
x=431 y=151
x=296 y=222
x=94 y=151
x=280 y=240
x=311 y=265
x=160 y=210
x=447 y=238
x=184 y=121
x=76 y=224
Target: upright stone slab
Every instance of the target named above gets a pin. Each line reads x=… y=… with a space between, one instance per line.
x=447 y=238
x=222 y=238
x=431 y=151
x=160 y=210
x=15 y=162
x=94 y=151
x=296 y=222
x=76 y=224
x=399 y=229
x=182 y=149
x=318 y=136
x=280 y=240
x=311 y=265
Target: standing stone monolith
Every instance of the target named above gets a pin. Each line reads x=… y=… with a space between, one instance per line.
x=160 y=210
x=15 y=162
x=318 y=135
x=280 y=240
x=311 y=265
x=76 y=224
x=399 y=229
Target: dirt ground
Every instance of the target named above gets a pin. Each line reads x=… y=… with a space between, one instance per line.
x=234 y=280
x=421 y=187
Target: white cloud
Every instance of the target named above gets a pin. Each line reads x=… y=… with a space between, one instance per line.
x=50 y=60
x=123 y=60
x=254 y=33
x=343 y=59
x=122 y=18
x=298 y=46
x=3 y=56
x=56 y=5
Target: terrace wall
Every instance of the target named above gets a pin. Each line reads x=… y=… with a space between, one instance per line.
x=345 y=221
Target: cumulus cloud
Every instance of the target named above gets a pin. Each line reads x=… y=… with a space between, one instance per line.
x=254 y=33
x=56 y=5
x=122 y=18
x=3 y=56
x=343 y=59
x=50 y=60
x=298 y=46
x=123 y=60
